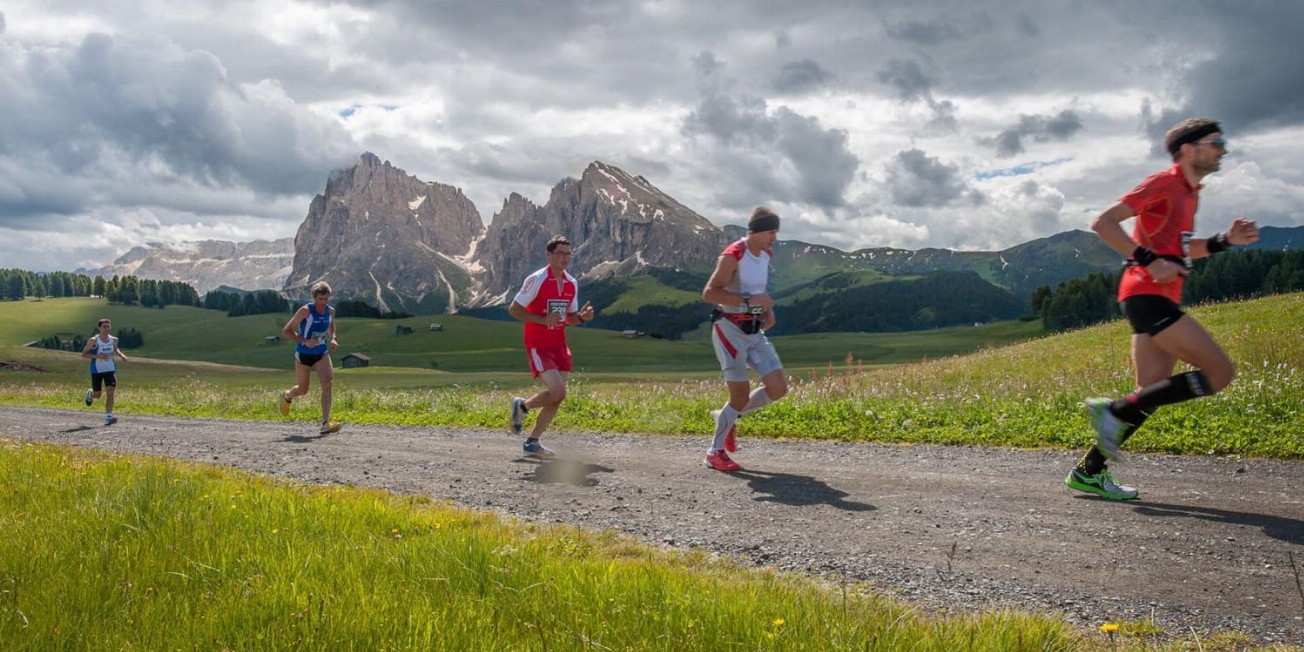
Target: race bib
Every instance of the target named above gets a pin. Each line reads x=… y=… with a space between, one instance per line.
x=558 y=307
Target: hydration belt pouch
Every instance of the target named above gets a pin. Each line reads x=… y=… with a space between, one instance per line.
x=748 y=322
x=1131 y=262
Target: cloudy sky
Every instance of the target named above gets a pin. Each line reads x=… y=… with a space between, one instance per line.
x=928 y=123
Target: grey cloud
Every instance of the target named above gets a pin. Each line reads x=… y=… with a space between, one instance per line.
x=1026 y=27
x=1041 y=128
x=825 y=165
x=937 y=30
x=924 y=32
x=910 y=82
x=2 y=22
x=908 y=79
x=1251 y=82
x=943 y=120
x=801 y=77
x=730 y=120
x=917 y=180
x=154 y=109
x=755 y=144
x=705 y=64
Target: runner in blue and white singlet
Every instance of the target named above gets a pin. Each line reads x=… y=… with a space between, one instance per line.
x=314 y=334
x=102 y=350
x=313 y=330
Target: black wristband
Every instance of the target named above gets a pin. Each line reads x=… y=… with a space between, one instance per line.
x=1217 y=243
x=1144 y=256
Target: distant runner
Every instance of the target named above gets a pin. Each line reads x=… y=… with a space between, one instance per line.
x=313 y=330
x=101 y=350
x=1160 y=251
x=547 y=303
x=743 y=313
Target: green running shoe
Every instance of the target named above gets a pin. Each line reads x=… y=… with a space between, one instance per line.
x=1101 y=484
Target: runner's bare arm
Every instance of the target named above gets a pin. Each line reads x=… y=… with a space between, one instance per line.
x=715 y=292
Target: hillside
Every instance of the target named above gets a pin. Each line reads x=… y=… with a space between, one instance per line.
x=465 y=345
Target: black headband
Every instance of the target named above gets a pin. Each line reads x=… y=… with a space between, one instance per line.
x=763 y=223
x=1192 y=136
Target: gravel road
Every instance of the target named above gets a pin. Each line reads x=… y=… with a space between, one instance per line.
x=1208 y=546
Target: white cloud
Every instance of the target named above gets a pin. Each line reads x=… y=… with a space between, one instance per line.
x=224 y=118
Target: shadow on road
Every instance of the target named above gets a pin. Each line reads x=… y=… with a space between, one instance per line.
x=77 y=429
x=1289 y=530
x=303 y=439
x=568 y=472
x=798 y=490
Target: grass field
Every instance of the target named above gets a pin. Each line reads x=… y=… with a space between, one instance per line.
x=114 y=552
x=464 y=345
x=109 y=552
x=1021 y=395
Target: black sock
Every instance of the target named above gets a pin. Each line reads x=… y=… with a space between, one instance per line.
x=1093 y=461
x=1174 y=389
x=530 y=440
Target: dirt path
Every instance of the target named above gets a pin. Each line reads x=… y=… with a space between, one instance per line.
x=1207 y=547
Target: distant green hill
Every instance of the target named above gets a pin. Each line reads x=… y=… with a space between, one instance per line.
x=464 y=344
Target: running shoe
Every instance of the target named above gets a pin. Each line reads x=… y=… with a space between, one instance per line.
x=109 y=419
x=90 y=396
x=1102 y=484
x=535 y=449
x=327 y=427
x=1109 y=429
x=719 y=460
x=730 y=440
x=285 y=405
x=518 y=414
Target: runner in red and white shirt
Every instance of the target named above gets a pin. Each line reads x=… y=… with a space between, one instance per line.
x=547 y=303
x=744 y=311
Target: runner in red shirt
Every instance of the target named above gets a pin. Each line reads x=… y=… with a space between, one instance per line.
x=1159 y=253
x=547 y=303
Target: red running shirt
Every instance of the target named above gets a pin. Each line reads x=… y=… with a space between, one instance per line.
x=542 y=294
x=1165 y=205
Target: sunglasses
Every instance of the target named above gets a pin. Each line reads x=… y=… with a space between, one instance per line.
x=1217 y=142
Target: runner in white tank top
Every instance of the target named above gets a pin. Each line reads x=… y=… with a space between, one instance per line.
x=101 y=349
x=744 y=311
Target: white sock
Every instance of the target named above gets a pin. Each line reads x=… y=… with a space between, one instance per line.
x=728 y=417
x=756 y=401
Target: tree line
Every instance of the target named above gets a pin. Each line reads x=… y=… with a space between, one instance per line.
x=239 y=304
x=15 y=284
x=128 y=338
x=1236 y=275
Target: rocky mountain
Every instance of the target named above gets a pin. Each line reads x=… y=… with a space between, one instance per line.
x=381 y=235
x=207 y=264
x=619 y=224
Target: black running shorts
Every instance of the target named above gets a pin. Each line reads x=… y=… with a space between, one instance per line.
x=308 y=359
x=1150 y=313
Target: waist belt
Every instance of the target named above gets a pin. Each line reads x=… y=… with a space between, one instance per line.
x=1132 y=262
x=746 y=322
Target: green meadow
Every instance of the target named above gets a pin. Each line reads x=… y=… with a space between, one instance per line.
x=1000 y=384
x=106 y=552
x=115 y=552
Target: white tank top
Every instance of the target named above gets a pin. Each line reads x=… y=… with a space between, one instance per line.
x=103 y=348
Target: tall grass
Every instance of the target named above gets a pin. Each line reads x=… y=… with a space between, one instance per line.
x=1022 y=395
x=112 y=552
